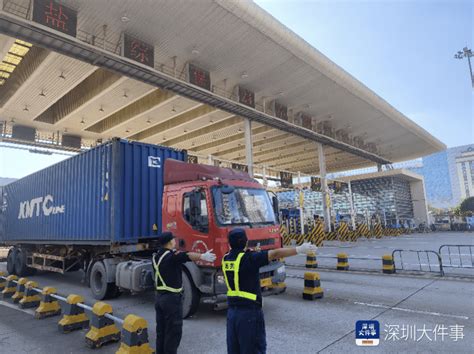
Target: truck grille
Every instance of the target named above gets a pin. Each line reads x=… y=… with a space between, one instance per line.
x=264 y=242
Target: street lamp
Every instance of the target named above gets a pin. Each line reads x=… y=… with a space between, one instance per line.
x=466 y=53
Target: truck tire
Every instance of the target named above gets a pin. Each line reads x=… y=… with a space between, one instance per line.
x=21 y=268
x=11 y=261
x=191 y=296
x=101 y=290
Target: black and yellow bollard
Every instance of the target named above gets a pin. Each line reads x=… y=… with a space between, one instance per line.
x=103 y=330
x=312 y=286
x=49 y=306
x=31 y=298
x=74 y=317
x=3 y=282
x=311 y=261
x=388 y=266
x=134 y=336
x=10 y=287
x=20 y=290
x=342 y=261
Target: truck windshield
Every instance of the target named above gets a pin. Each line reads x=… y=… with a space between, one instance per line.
x=243 y=206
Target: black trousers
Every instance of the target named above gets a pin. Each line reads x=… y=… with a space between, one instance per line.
x=246 y=330
x=169 y=322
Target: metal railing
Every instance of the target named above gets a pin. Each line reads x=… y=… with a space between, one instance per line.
x=453 y=257
x=419 y=259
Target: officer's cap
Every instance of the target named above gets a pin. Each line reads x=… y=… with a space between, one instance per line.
x=237 y=238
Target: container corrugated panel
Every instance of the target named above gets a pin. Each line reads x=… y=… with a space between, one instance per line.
x=109 y=194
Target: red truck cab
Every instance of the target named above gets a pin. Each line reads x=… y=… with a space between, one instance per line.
x=201 y=204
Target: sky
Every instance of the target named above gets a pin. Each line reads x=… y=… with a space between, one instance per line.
x=402 y=50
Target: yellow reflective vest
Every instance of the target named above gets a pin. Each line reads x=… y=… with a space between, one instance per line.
x=233 y=267
x=162 y=285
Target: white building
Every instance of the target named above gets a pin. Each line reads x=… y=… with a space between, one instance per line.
x=465 y=169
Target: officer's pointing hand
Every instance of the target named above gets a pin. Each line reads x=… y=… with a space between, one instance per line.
x=208 y=256
x=306 y=248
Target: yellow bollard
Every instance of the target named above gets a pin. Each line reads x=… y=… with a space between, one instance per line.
x=49 y=306
x=134 y=336
x=388 y=266
x=342 y=261
x=311 y=261
x=103 y=330
x=74 y=317
x=312 y=286
x=31 y=298
x=20 y=290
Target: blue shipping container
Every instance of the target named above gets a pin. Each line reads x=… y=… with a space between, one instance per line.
x=109 y=194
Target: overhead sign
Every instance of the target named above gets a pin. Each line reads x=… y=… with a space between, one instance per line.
x=192 y=159
x=246 y=97
x=280 y=110
x=56 y=16
x=316 y=184
x=22 y=132
x=286 y=179
x=199 y=77
x=240 y=167
x=138 y=50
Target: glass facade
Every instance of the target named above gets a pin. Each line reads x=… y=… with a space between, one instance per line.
x=445 y=183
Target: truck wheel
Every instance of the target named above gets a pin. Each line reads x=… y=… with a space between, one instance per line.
x=98 y=282
x=21 y=268
x=191 y=296
x=11 y=261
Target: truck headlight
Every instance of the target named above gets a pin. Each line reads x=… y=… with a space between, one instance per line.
x=220 y=279
x=281 y=270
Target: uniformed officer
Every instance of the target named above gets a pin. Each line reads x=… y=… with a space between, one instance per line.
x=169 y=301
x=241 y=268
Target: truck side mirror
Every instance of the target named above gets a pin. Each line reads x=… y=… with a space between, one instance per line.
x=276 y=209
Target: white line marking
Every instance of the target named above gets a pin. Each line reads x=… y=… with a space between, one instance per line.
x=413 y=311
x=14 y=307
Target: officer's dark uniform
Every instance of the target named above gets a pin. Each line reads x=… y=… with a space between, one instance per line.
x=169 y=300
x=245 y=322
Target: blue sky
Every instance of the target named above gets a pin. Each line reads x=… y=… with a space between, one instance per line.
x=402 y=50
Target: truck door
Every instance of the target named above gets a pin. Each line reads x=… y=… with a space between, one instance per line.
x=195 y=225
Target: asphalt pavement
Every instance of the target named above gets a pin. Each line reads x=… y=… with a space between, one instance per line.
x=422 y=313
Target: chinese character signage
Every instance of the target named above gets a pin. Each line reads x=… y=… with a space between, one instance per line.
x=56 y=16
x=246 y=97
x=286 y=179
x=139 y=51
x=367 y=333
x=316 y=184
x=192 y=159
x=239 y=167
x=199 y=77
x=280 y=110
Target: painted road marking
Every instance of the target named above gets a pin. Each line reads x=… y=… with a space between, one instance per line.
x=12 y=306
x=413 y=311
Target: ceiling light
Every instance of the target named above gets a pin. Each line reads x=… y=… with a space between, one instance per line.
x=127 y=130
x=211 y=120
x=62 y=76
x=12 y=120
x=244 y=75
x=65 y=130
x=173 y=109
x=125 y=18
x=101 y=109
x=280 y=93
x=195 y=51
x=82 y=121
x=240 y=130
x=148 y=121
x=26 y=108
x=125 y=94
x=42 y=93
x=185 y=131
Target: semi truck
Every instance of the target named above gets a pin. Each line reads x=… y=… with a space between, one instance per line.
x=101 y=212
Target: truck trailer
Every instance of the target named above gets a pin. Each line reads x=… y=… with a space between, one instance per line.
x=101 y=211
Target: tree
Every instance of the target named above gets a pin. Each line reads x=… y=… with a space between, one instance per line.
x=467 y=206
